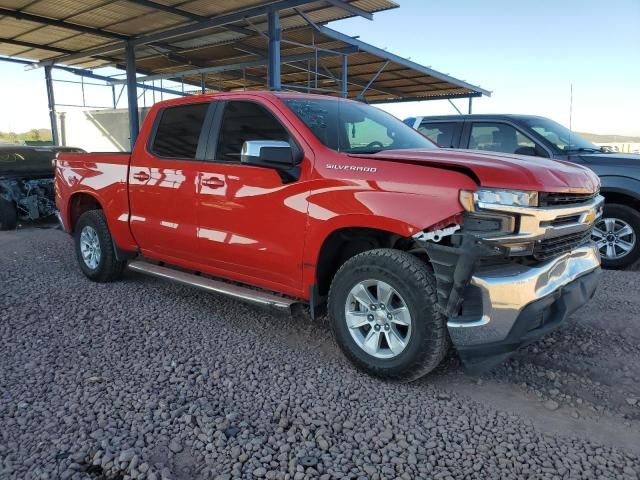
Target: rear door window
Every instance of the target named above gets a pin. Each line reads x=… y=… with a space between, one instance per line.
x=500 y=137
x=178 y=131
x=440 y=133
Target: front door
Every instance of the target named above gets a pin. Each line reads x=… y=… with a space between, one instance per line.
x=251 y=222
x=162 y=184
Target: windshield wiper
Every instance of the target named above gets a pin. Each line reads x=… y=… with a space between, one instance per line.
x=585 y=149
x=364 y=152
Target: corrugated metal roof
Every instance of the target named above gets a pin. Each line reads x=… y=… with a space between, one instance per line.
x=68 y=26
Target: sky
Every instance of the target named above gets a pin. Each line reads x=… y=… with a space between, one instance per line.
x=528 y=54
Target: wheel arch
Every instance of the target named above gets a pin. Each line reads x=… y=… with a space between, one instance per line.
x=622 y=190
x=345 y=242
x=79 y=203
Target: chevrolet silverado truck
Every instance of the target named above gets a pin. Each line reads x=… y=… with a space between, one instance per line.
x=282 y=199
x=617 y=233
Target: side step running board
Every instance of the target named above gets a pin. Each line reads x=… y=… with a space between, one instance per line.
x=256 y=297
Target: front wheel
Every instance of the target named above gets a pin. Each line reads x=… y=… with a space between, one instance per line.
x=617 y=235
x=95 y=248
x=382 y=309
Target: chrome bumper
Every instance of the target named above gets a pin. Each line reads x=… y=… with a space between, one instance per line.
x=507 y=290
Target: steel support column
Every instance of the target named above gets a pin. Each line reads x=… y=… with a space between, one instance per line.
x=132 y=94
x=470 y=104
x=52 y=106
x=275 y=33
x=344 y=84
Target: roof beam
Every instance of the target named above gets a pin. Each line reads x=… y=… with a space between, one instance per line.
x=60 y=23
x=352 y=81
x=168 y=9
x=373 y=79
x=365 y=47
x=424 y=98
x=89 y=74
x=50 y=48
x=191 y=16
x=239 y=66
x=217 y=21
x=351 y=9
x=91 y=52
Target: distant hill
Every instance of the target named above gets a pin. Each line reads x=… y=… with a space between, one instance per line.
x=35 y=134
x=597 y=138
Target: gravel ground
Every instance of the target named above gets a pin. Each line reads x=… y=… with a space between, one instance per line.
x=146 y=379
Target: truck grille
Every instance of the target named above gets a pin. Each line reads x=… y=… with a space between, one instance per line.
x=554 y=247
x=554 y=199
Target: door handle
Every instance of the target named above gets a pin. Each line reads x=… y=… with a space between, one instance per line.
x=212 y=182
x=141 y=176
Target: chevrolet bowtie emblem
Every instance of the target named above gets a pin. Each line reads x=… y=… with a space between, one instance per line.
x=591 y=216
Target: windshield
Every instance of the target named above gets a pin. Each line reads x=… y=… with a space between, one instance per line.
x=560 y=136
x=352 y=127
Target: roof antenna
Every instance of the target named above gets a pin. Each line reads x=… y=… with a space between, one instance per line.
x=570 y=115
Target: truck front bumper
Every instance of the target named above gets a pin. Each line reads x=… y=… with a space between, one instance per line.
x=516 y=304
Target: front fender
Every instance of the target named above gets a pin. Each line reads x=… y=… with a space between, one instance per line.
x=622 y=185
x=412 y=199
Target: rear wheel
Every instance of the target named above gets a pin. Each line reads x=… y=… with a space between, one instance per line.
x=617 y=234
x=8 y=215
x=382 y=308
x=95 y=248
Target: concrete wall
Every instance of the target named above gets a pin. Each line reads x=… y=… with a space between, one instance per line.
x=96 y=130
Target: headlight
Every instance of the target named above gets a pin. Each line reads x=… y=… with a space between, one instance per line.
x=511 y=198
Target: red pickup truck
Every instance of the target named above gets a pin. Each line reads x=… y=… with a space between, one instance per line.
x=280 y=199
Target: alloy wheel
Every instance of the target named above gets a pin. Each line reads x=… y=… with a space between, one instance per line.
x=614 y=237
x=378 y=319
x=90 y=247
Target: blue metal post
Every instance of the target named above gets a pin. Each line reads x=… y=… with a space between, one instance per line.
x=273 y=17
x=52 y=105
x=470 y=104
x=132 y=94
x=345 y=87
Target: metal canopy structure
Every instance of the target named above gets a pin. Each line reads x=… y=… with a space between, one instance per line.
x=220 y=46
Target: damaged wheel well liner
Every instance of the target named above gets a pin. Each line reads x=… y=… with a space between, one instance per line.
x=345 y=243
x=80 y=203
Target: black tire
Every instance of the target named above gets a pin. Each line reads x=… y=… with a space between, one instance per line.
x=412 y=279
x=8 y=215
x=108 y=268
x=632 y=218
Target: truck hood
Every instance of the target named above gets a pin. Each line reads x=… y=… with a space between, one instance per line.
x=621 y=159
x=499 y=170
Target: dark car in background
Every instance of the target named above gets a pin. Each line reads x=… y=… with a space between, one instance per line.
x=26 y=183
x=617 y=233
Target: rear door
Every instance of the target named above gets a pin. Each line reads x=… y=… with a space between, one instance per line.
x=445 y=134
x=251 y=221
x=163 y=177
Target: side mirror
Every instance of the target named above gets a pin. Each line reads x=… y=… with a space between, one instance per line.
x=275 y=154
x=268 y=153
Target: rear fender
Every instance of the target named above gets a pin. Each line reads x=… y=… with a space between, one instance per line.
x=103 y=179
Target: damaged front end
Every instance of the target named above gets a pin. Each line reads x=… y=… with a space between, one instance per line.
x=33 y=198
x=508 y=272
